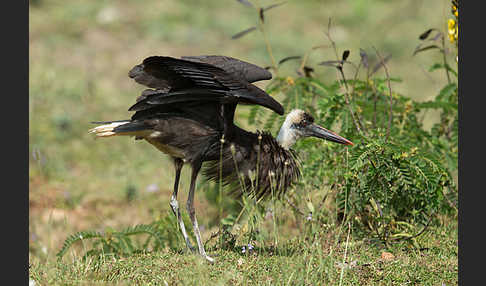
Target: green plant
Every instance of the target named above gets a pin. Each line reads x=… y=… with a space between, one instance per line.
x=397 y=177
x=160 y=234
x=384 y=182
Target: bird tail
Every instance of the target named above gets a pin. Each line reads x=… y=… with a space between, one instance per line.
x=121 y=127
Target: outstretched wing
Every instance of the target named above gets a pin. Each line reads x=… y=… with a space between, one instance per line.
x=180 y=80
x=238 y=68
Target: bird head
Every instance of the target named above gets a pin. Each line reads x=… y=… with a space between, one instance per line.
x=299 y=124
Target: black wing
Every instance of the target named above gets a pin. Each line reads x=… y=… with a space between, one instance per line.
x=180 y=80
x=244 y=70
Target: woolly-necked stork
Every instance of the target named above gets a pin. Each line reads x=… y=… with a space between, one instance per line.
x=188 y=114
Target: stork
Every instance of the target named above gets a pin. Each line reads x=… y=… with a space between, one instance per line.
x=188 y=113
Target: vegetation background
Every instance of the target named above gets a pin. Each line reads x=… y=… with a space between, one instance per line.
x=80 y=54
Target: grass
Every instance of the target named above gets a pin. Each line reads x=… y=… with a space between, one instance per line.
x=297 y=262
x=80 y=54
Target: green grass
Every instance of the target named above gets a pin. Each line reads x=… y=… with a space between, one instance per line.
x=80 y=54
x=297 y=262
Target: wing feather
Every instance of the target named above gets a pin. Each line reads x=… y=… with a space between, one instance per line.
x=205 y=78
x=238 y=68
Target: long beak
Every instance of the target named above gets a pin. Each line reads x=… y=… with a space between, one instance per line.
x=320 y=132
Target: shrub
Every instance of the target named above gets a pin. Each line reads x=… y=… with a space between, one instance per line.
x=397 y=177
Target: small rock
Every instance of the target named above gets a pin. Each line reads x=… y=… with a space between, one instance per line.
x=346 y=265
x=387 y=256
x=108 y=15
x=240 y=261
x=152 y=188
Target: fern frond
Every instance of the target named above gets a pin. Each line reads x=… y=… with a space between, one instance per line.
x=78 y=236
x=141 y=229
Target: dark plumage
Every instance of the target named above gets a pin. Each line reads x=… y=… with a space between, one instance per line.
x=188 y=114
x=263 y=167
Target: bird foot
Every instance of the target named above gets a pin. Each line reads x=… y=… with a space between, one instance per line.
x=209 y=259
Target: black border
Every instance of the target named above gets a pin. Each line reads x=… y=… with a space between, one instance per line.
x=15 y=139
x=471 y=173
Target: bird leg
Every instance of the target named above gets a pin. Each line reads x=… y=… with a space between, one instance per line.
x=192 y=212
x=174 y=204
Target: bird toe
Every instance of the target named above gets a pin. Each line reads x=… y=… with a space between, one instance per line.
x=209 y=259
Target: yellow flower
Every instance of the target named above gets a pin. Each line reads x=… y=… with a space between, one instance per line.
x=452 y=30
x=290 y=81
x=413 y=150
x=451 y=24
x=451 y=38
x=455 y=10
x=408 y=106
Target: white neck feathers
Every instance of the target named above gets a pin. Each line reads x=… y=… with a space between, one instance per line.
x=287 y=136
